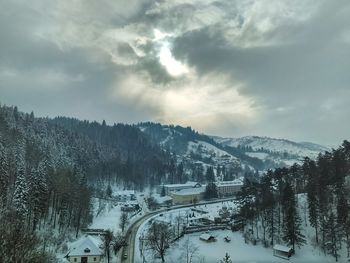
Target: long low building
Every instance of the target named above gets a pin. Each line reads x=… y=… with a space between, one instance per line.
x=188 y=196
x=169 y=188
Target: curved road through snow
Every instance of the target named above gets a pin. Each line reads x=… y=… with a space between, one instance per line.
x=134 y=227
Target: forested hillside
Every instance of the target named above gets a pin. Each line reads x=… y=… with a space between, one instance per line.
x=50 y=169
x=316 y=191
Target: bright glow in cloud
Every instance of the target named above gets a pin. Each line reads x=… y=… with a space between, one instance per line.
x=201 y=102
x=174 y=68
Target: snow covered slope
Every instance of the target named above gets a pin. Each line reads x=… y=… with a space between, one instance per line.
x=266 y=144
x=251 y=153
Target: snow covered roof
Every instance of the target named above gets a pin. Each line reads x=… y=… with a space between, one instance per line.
x=163 y=199
x=206 y=236
x=187 y=184
x=125 y=192
x=190 y=191
x=229 y=183
x=281 y=248
x=86 y=246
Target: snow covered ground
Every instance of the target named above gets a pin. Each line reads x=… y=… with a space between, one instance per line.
x=239 y=251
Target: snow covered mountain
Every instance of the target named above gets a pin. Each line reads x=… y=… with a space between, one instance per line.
x=246 y=153
x=278 y=150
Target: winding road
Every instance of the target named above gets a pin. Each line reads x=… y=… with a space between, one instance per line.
x=134 y=227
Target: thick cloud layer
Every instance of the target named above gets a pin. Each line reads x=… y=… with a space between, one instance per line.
x=233 y=68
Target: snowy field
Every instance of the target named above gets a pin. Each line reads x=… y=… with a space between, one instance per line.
x=238 y=250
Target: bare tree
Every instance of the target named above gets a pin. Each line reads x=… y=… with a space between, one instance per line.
x=178 y=221
x=189 y=251
x=159 y=237
x=118 y=242
x=107 y=243
x=124 y=220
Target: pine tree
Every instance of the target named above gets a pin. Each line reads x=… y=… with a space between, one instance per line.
x=226 y=259
x=211 y=191
x=310 y=170
x=20 y=196
x=333 y=236
x=4 y=177
x=209 y=175
x=292 y=234
x=162 y=193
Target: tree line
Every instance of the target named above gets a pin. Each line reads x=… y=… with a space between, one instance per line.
x=274 y=202
x=51 y=169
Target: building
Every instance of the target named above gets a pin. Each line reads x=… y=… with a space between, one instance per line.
x=207 y=237
x=131 y=206
x=169 y=188
x=88 y=249
x=188 y=196
x=229 y=188
x=164 y=201
x=282 y=251
x=125 y=195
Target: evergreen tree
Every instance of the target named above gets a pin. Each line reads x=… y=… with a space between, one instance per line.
x=333 y=236
x=209 y=175
x=20 y=196
x=162 y=193
x=310 y=170
x=109 y=191
x=226 y=259
x=4 y=177
x=292 y=234
x=211 y=191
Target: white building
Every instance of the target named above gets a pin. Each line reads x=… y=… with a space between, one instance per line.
x=229 y=188
x=87 y=249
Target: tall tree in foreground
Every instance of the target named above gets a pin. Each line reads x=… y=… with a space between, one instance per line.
x=107 y=243
x=123 y=220
x=159 y=237
x=292 y=222
x=333 y=236
x=312 y=188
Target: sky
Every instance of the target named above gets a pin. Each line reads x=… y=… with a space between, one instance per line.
x=277 y=68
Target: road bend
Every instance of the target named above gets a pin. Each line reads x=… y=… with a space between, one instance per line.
x=131 y=233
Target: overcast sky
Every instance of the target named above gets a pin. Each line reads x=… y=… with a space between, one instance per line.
x=225 y=67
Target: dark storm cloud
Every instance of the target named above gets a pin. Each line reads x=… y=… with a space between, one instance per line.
x=277 y=68
x=301 y=81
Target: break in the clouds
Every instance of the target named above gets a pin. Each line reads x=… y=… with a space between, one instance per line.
x=240 y=67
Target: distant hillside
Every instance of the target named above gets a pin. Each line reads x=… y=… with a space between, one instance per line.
x=245 y=154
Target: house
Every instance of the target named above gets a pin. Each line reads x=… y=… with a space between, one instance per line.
x=169 y=188
x=188 y=196
x=87 y=249
x=207 y=237
x=131 y=206
x=282 y=251
x=164 y=201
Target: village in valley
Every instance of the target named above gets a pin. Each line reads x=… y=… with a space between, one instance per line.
x=178 y=221
x=174 y=131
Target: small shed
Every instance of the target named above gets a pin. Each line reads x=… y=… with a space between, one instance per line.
x=207 y=237
x=282 y=251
